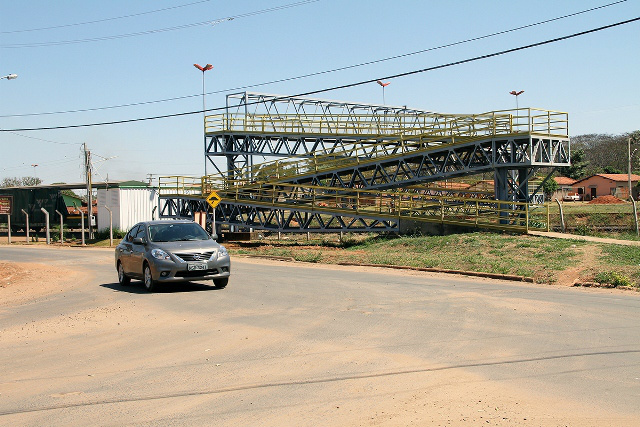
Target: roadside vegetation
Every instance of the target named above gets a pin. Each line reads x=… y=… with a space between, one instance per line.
x=599 y=220
x=545 y=260
x=552 y=261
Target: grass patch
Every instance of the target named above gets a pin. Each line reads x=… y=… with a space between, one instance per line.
x=480 y=252
x=625 y=259
x=542 y=258
x=621 y=255
x=307 y=256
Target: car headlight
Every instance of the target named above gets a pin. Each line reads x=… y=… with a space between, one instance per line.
x=222 y=252
x=160 y=254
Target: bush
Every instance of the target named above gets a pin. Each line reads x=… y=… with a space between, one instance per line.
x=104 y=234
x=583 y=230
x=613 y=278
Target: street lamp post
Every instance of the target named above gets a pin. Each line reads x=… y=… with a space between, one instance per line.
x=383 y=84
x=35 y=175
x=204 y=112
x=9 y=77
x=517 y=94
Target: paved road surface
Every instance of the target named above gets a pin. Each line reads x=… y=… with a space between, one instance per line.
x=305 y=345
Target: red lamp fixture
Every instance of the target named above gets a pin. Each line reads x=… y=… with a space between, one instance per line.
x=203 y=69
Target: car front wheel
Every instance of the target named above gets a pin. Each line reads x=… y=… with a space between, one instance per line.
x=123 y=279
x=221 y=283
x=149 y=283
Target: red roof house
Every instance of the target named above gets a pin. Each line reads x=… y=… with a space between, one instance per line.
x=603 y=184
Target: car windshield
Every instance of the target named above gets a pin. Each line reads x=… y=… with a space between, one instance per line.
x=176 y=232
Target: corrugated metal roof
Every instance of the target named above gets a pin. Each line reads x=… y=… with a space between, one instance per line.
x=94 y=185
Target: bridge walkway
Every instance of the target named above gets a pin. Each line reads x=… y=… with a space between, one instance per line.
x=364 y=172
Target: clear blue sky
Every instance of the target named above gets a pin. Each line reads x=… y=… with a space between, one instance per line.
x=595 y=78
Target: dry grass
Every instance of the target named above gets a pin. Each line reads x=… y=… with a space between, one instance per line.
x=546 y=260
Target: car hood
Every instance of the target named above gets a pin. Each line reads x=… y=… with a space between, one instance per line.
x=189 y=246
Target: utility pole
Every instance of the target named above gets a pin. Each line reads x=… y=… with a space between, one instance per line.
x=629 y=167
x=87 y=165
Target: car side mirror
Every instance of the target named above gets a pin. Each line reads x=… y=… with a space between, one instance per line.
x=214 y=236
x=138 y=241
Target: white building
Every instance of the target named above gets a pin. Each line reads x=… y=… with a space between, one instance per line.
x=130 y=202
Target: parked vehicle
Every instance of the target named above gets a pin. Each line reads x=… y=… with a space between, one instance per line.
x=572 y=197
x=171 y=251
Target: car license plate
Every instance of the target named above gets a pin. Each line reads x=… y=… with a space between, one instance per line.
x=195 y=266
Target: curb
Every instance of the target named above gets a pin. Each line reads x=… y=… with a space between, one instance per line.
x=271 y=257
x=511 y=277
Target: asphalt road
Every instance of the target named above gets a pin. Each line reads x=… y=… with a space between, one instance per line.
x=300 y=344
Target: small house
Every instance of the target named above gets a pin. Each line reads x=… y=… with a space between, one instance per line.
x=565 y=189
x=604 y=184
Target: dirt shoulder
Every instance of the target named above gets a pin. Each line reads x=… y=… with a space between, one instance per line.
x=21 y=282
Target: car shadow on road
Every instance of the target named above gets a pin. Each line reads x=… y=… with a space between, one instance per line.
x=137 y=287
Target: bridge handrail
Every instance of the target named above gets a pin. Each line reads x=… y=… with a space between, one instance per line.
x=453 y=132
x=182 y=185
x=507 y=215
x=531 y=120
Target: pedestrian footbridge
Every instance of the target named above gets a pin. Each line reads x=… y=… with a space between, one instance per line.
x=331 y=166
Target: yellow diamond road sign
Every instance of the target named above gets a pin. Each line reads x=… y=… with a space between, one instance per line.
x=213 y=199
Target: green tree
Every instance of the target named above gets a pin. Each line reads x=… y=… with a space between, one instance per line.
x=604 y=152
x=549 y=187
x=611 y=169
x=578 y=166
x=25 y=181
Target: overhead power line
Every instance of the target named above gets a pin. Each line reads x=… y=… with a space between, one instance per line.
x=45 y=140
x=303 y=76
x=348 y=85
x=160 y=30
x=55 y=27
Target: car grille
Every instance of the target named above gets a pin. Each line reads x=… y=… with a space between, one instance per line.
x=195 y=256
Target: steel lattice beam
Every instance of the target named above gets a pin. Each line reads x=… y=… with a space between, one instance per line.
x=334 y=147
x=437 y=163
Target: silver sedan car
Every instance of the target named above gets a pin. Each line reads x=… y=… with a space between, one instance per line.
x=171 y=251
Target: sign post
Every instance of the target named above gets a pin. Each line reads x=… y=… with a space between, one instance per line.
x=214 y=200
